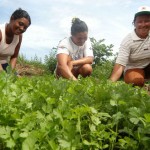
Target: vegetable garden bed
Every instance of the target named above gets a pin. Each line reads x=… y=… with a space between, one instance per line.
x=42 y=113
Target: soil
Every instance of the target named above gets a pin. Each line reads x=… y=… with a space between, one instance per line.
x=147 y=88
x=29 y=70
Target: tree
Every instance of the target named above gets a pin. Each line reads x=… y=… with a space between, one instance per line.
x=101 y=51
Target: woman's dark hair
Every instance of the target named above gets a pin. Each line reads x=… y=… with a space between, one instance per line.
x=20 y=13
x=78 y=26
x=134 y=20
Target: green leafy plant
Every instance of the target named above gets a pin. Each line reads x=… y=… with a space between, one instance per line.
x=46 y=113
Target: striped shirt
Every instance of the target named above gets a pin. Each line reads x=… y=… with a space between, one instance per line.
x=134 y=52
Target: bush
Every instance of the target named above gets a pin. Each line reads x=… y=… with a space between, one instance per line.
x=103 y=71
x=37 y=62
x=50 y=61
x=102 y=52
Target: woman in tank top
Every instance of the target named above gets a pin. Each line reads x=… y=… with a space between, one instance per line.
x=11 y=38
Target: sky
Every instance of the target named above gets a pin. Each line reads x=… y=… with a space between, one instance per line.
x=51 y=21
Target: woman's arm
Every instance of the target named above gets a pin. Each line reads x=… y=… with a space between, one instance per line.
x=117 y=72
x=63 y=67
x=13 y=59
x=82 y=61
x=1 y=68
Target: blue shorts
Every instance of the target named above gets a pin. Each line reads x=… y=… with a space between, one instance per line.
x=4 y=66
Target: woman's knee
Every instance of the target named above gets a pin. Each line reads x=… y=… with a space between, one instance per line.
x=135 y=77
x=86 y=70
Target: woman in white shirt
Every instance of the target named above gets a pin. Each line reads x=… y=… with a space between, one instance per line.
x=11 y=37
x=75 y=54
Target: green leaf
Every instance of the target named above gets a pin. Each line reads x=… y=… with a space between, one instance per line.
x=113 y=103
x=5 y=132
x=29 y=143
x=92 y=127
x=23 y=134
x=134 y=120
x=101 y=114
x=78 y=126
x=86 y=142
x=39 y=115
x=93 y=110
x=147 y=117
x=15 y=134
x=64 y=143
x=10 y=143
x=95 y=120
x=53 y=145
x=117 y=116
x=105 y=146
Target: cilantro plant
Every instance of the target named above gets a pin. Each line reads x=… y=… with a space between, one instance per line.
x=42 y=113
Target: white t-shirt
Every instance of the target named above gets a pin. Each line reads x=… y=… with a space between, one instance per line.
x=134 y=52
x=66 y=46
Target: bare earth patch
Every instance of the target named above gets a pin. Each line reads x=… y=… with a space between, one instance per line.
x=29 y=70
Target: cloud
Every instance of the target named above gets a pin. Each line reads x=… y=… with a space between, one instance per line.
x=37 y=37
x=4 y=2
x=33 y=37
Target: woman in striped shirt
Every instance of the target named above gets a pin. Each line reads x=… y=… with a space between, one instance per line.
x=134 y=53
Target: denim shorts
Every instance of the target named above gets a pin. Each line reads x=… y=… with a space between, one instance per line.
x=4 y=66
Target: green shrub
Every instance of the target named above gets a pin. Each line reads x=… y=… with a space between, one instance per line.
x=37 y=62
x=50 y=61
x=103 y=71
x=102 y=52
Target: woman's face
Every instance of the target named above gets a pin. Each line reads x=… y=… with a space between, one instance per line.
x=19 y=26
x=142 y=25
x=80 y=38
